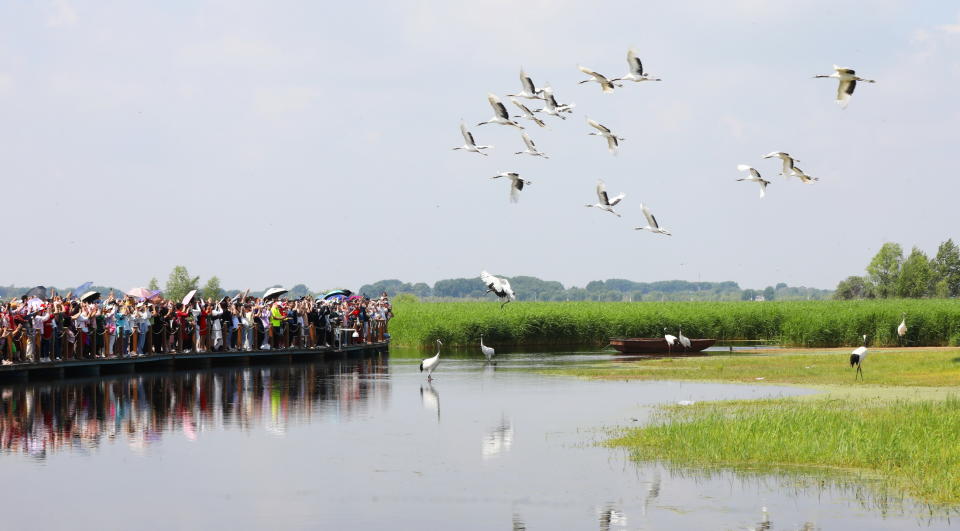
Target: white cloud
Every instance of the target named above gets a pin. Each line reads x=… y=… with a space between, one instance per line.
x=6 y=84
x=274 y=101
x=234 y=52
x=62 y=14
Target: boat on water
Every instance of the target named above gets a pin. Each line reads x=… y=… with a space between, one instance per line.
x=658 y=346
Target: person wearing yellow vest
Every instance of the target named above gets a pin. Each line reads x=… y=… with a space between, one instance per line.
x=276 y=323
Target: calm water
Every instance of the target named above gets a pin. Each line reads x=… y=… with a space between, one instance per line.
x=369 y=444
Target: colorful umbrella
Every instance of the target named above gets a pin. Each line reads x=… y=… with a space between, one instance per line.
x=140 y=293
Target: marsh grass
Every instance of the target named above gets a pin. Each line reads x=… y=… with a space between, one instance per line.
x=911 y=444
x=931 y=322
x=918 y=368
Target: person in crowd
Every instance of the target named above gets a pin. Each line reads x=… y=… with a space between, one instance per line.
x=65 y=328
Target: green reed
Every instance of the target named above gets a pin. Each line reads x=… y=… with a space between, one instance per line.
x=931 y=322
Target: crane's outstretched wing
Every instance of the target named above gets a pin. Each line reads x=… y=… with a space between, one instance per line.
x=636 y=67
x=498 y=108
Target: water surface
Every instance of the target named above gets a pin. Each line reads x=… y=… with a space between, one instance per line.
x=368 y=443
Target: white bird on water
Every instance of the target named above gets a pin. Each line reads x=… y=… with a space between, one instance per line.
x=527 y=113
x=488 y=352
x=670 y=339
x=787 y=161
x=613 y=141
x=652 y=224
x=606 y=203
x=500 y=116
x=430 y=364
x=516 y=183
x=754 y=177
x=605 y=84
x=636 y=69
x=684 y=340
x=857 y=356
x=848 y=83
x=470 y=144
x=552 y=107
x=531 y=147
x=499 y=286
x=529 y=89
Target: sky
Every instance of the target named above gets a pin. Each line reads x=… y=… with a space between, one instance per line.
x=286 y=142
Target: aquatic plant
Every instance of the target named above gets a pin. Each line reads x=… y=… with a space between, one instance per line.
x=931 y=322
x=910 y=444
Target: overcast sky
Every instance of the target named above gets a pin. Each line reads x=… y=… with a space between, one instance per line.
x=284 y=142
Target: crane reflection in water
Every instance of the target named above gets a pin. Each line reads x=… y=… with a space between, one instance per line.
x=41 y=418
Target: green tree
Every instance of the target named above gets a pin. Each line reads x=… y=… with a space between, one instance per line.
x=884 y=269
x=180 y=283
x=212 y=289
x=915 y=276
x=946 y=268
x=854 y=288
x=153 y=284
x=941 y=289
x=769 y=293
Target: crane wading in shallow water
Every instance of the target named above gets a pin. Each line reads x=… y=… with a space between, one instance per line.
x=488 y=352
x=430 y=364
x=857 y=356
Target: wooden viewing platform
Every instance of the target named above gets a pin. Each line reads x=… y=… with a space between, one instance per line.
x=93 y=367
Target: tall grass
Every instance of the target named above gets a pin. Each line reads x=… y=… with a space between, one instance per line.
x=911 y=444
x=931 y=322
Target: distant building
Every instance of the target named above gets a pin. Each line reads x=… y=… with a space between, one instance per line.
x=759 y=298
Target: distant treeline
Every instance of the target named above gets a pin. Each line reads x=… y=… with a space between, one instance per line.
x=890 y=275
x=612 y=290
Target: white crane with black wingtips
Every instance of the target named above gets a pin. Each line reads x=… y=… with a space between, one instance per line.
x=499 y=286
x=848 y=83
x=430 y=364
x=500 y=114
x=754 y=177
x=469 y=143
x=605 y=203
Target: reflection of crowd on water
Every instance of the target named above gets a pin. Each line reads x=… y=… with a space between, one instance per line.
x=37 y=419
x=40 y=329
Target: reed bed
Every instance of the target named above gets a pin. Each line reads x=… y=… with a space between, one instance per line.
x=931 y=322
x=910 y=444
x=891 y=368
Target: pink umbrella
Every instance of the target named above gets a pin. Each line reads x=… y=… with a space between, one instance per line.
x=140 y=293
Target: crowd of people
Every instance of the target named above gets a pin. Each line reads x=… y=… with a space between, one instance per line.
x=34 y=329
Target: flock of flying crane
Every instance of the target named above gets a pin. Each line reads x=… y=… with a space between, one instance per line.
x=847 y=78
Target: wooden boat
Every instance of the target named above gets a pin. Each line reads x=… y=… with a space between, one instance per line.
x=658 y=346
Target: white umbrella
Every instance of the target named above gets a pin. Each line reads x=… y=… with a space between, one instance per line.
x=189 y=297
x=90 y=296
x=274 y=292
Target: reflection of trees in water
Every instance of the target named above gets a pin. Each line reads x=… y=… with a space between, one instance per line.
x=37 y=418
